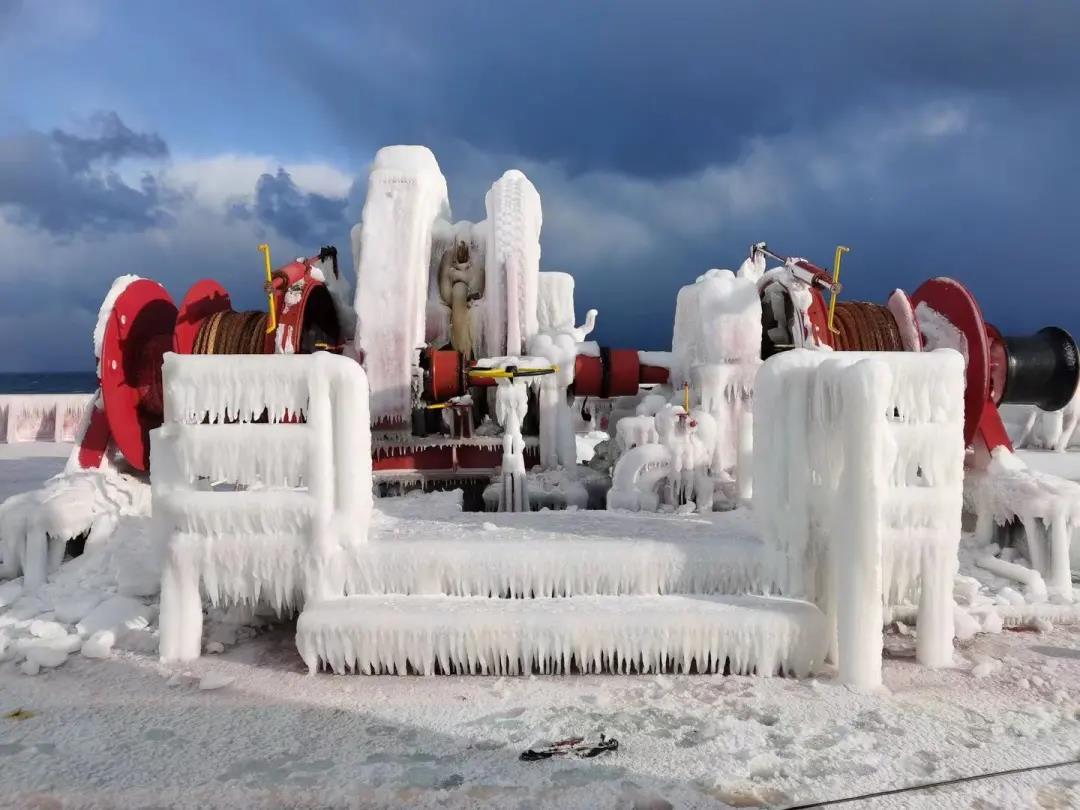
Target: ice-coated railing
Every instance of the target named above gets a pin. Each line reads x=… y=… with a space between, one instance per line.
x=858 y=489
x=41 y=417
x=298 y=493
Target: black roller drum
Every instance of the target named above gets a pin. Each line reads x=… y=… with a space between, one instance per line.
x=1042 y=369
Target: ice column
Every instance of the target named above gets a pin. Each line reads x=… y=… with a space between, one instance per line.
x=406 y=193
x=512 y=265
x=511 y=404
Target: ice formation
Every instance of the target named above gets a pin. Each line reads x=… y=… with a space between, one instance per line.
x=1047 y=507
x=1052 y=430
x=716 y=351
x=406 y=193
x=643 y=634
x=938 y=332
x=41 y=417
x=271 y=543
x=511 y=405
x=557 y=340
x=509 y=305
x=666 y=460
x=35 y=527
x=858 y=475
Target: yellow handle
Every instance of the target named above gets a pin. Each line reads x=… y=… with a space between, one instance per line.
x=840 y=251
x=272 y=325
x=686 y=397
x=499 y=373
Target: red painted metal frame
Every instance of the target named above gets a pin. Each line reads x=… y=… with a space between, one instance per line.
x=203 y=299
x=953 y=301
x=137 y=334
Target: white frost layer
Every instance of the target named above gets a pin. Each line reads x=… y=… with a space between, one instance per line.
x=399 y=635
x=509 y=305
x=406 y=193
x=41 y=417
x=938 y=332
x=658 y=359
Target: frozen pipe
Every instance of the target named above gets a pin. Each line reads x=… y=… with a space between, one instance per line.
x=1060 y=566
x=1034 y=587
x=1035 y=542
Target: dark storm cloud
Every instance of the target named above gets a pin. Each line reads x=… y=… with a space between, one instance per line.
x=113 y=142
x=64 y=183
x=655 y=89
x=304 y=217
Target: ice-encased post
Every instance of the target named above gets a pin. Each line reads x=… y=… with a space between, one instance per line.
x=856 y=556
x=180 y=617
x=511 y=403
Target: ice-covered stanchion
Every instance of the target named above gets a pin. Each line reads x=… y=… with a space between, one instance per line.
x=270 y=542
x=512 y=265
x=406 y=194
x=858 y=477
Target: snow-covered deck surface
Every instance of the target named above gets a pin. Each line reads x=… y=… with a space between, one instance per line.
x=130 y=732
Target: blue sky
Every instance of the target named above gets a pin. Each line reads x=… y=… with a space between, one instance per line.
x=168 y=139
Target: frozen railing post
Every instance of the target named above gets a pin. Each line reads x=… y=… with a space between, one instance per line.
x=302 y=489
x=858 y=485
x=511 y=403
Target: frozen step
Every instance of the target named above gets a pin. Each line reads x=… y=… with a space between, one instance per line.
x=270 y=454
x=262 y=512
x=619 y=634
x=559 y=554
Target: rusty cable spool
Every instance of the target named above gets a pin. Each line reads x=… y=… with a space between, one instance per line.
x=228 y=332
x=865 y=327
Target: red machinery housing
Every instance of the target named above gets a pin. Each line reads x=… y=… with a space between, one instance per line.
x=144 y=324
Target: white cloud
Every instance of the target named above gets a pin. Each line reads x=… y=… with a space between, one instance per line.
x=217 y=180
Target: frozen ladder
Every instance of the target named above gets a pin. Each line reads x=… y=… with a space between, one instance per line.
x=297 y=496
x=430 y=635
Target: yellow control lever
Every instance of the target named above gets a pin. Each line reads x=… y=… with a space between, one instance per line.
x=272 y=325
x=840 y=251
